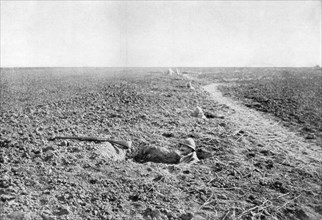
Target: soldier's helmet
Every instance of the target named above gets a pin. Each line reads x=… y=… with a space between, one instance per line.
x=189 y=142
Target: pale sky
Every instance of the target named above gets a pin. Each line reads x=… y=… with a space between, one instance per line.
x=160 y=33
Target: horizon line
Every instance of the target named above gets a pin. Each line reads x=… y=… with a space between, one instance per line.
x=3 y=67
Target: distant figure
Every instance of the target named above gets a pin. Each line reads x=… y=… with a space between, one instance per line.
x=170 y=71
x=178 y=72
x=189 y=86
x=198 y=113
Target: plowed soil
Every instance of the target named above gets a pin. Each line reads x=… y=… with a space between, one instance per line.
x=253 y=168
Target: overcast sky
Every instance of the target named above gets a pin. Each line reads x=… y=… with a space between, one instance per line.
x=161 y=33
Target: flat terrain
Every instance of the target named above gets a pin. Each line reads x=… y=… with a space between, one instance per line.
x=256 y=167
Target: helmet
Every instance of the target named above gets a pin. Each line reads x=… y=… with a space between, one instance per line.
x=189 y=142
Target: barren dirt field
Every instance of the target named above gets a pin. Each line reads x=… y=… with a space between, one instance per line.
x=260 y=158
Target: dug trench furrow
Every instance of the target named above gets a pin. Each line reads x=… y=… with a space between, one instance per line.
x=268 y=133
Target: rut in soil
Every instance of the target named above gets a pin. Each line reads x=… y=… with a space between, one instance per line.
x=260 y=130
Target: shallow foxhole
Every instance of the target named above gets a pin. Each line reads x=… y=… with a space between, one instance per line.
x=163 y=155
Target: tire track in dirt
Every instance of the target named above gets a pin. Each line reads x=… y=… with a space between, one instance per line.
x=260 y=130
